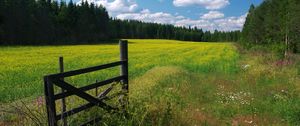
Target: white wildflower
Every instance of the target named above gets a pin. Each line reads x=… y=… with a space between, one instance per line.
x=249 y=121
x=245 y=67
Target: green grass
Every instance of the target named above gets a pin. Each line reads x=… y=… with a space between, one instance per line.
x=171 y=82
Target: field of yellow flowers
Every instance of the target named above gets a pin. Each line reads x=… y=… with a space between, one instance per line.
x=171 y=82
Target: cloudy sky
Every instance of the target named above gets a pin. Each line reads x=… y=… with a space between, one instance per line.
x=225 y=15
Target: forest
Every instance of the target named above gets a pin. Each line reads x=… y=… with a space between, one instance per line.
x=46 y=22
x=275 y=24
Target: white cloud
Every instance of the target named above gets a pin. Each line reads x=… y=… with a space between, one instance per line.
x=223 y=24
x=128 y=9
x=147 y=16
x=203 y=24
x=231 y=23
x=212 y=15
x=208 y=4
x=115 y=6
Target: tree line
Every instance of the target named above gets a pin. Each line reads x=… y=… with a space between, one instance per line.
x=138 y=29
x=44 y=22
x=274 y=22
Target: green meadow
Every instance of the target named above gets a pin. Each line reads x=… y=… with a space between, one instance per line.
x=171 y=82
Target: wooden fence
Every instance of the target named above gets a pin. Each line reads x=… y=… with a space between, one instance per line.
x=69 y=90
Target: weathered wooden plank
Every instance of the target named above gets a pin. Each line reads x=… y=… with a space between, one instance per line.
x=74 y=111
x=86 y=106
x=124 y=72
x=124 y=65
x=83 y=95
x=105 y=92
x=113 y=95
x=85 y=70
x=89 y=87
x=63 y=100
x=50 y=102
x=47 y=100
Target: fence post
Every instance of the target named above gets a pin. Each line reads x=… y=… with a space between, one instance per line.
x=50 y=102
x=124 y=66
x=96 y=89
x=63 y=100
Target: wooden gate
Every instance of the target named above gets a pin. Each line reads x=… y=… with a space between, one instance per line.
x=68 y=90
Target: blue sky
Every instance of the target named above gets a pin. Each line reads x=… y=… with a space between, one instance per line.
x=225 y=15
x=235 y=8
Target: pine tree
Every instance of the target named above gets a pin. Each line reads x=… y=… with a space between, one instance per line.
x=294 y=25
x=274 y=22
x=247 y=34
x=2 y=8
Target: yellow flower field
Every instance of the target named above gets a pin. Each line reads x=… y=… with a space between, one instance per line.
x=22 y=68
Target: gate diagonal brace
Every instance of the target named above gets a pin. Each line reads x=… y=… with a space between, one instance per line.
x=83 y=95
x=105 y=92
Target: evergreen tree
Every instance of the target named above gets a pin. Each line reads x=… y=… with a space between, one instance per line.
x=273 y=22
x=294 y=26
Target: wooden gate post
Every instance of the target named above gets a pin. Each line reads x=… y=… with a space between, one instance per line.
x=63 y=100
x=50 y=102
x=124 y=66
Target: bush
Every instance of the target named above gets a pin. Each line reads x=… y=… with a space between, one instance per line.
x=278 y=49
